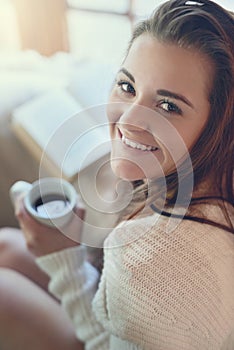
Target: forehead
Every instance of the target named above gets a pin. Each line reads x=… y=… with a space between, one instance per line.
x=151 y=61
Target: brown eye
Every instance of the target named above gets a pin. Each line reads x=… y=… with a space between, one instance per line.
x=169 y=107
x=126 y=87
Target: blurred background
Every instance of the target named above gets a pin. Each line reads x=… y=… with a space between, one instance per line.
x=98 y=29
x=45 y=45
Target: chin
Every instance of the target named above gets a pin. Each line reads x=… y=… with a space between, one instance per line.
x=127 y=170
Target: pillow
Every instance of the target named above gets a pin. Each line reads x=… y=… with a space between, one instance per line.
x=91 y=82
x=26 y=74
x=17 y=87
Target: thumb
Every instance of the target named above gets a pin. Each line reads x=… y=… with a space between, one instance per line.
x=19 y=204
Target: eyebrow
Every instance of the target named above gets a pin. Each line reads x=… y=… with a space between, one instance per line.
x=174 y=95
x=161 y=92
x=126 y=72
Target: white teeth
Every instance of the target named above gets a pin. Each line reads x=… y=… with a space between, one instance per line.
x=137 y=145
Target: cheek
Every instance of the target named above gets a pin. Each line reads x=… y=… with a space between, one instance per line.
x=112 y=115
x=191 y=133
x=114 y=111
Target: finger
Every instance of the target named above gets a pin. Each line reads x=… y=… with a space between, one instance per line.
x=79 y=202
x=19 y=188
x=19 y=205
x=80 y=212
x=80 y=209
x=24 y=218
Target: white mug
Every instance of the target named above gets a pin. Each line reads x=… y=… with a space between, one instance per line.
x=49 y=200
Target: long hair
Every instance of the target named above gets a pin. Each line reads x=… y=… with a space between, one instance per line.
x=206 y=27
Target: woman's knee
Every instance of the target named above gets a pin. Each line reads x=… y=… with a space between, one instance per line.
x=12 y=247
x=7 y=296
x=14 y=255
x=32 y=316
x=5 y=279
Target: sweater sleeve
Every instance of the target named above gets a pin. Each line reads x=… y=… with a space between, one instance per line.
x=74 y=282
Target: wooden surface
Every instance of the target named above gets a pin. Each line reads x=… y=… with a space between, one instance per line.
x=35 y=151
x=16 y=164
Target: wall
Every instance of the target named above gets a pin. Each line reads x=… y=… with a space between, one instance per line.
x=42 y=25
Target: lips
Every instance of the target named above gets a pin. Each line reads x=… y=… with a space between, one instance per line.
x=136 y=145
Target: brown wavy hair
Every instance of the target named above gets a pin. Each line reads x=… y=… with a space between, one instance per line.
x=207 y=27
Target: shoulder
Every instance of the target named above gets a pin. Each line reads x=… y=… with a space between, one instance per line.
x=169 y=229
x=187 y=249
x=170 y=277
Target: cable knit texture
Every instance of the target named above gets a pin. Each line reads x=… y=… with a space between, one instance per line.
x=158 y=290
x=74 y=281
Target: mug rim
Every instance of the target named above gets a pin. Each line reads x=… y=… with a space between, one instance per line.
x=37 y=188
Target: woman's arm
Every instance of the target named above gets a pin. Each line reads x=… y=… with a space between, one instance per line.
x=73 y=280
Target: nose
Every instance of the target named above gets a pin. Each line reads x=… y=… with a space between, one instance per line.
x=132 y=115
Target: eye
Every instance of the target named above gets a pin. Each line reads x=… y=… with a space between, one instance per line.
x=126 y=87
x=169 y=107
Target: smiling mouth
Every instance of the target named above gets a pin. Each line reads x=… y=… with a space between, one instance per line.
x=137 y=145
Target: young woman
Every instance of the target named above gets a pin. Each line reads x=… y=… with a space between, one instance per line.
x=168 y=275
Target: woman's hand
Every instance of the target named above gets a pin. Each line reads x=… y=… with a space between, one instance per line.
x=42 y=239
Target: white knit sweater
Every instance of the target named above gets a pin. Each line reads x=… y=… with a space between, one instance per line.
x=158 y=290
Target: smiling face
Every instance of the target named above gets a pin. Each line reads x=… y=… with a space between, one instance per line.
x=158 y=108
